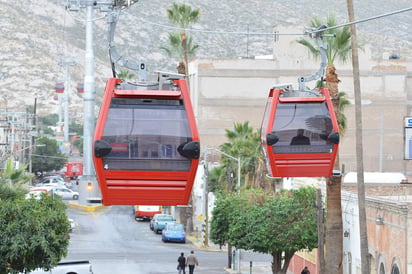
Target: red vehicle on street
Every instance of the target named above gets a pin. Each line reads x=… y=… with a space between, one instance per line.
x=146 y=212
x=73 y=170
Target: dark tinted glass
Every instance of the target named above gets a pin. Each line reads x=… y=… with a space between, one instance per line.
x=145 y=133
x=302 y=128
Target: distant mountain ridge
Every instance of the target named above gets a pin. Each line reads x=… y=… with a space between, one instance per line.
x=35 y=34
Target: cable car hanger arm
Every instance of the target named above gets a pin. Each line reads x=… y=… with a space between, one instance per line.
x=323 y=46
x=115 y=56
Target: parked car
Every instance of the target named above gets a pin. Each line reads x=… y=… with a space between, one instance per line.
x=159 y=222
x=174 y=233
x=65 y=193
x=51 y=180
x=55 y=189
x=49 y=185
x=36 y=193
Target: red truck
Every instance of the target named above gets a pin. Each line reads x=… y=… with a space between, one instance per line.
x=73 y=169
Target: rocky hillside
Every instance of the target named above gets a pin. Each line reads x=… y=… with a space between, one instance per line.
x=35 y=34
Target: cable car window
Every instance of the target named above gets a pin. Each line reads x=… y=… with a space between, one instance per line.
x=152 y=131
x=302 y=128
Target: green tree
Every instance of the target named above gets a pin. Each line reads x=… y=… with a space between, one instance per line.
x=47 y=157
x=13 y=182
x=33 y=232
x=219 y=227
x=244 y=142
x=339 y=47
x=76 y=128
x=78 y=143
x=175 y=49
x=216 y=182
x=49 y=120
x=126 y=75
x=279 y=224
x=183 y=15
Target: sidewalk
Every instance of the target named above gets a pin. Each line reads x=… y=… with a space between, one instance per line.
x=245 y=268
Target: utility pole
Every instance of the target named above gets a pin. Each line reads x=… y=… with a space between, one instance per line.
x=364 y=250
x=206 y=200
x=88 y=183
x=88 y=105
x=320 y=221
x=66 y=62
x=89 y=178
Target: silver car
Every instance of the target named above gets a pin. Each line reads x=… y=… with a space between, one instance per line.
x=65 y=193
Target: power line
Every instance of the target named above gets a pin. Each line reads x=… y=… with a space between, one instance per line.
x=366 y=19
x=270 y=33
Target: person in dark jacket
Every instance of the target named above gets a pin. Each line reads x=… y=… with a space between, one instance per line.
x=182 y=263
x=305 y=271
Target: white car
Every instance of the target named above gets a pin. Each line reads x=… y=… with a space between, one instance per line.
x=36 y=193
x=51 y=179
x=65 y=193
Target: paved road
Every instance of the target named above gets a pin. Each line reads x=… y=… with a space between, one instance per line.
x=115 y=243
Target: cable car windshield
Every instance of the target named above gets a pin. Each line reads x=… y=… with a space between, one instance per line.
x=150 y=134
x=302 y=128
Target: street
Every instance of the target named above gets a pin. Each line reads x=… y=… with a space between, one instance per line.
x=114 y=242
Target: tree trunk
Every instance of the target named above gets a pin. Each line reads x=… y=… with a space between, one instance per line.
x=334 y=224
x=181 y=68
x=280 y=262
x=334 y=234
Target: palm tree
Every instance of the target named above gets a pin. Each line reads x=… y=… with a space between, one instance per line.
x=175 y=49
x=126 y=75
x=339 y=47
x=183 y=15
x=244 y=142
x=13 y=182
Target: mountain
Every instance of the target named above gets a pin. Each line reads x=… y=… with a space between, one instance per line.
x=36 y=34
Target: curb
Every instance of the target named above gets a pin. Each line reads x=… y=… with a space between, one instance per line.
x=86 y=207
x=200 y=245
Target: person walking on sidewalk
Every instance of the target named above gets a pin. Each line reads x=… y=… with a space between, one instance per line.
x=182 y=263
x=191 y=261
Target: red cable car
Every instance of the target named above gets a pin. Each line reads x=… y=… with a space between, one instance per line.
x=80 y=88
x=59 y=87
x=299 y=133
x=146 y=143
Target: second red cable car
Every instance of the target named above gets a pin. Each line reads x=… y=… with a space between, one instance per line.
x=146 y=144
x=299 y=133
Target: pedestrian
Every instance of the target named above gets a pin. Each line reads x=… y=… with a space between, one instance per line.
x=191 y=261
x=182 y=263
x=305 y=271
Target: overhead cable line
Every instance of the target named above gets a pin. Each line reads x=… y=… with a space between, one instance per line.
x=273 y=33
x=366 y=19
